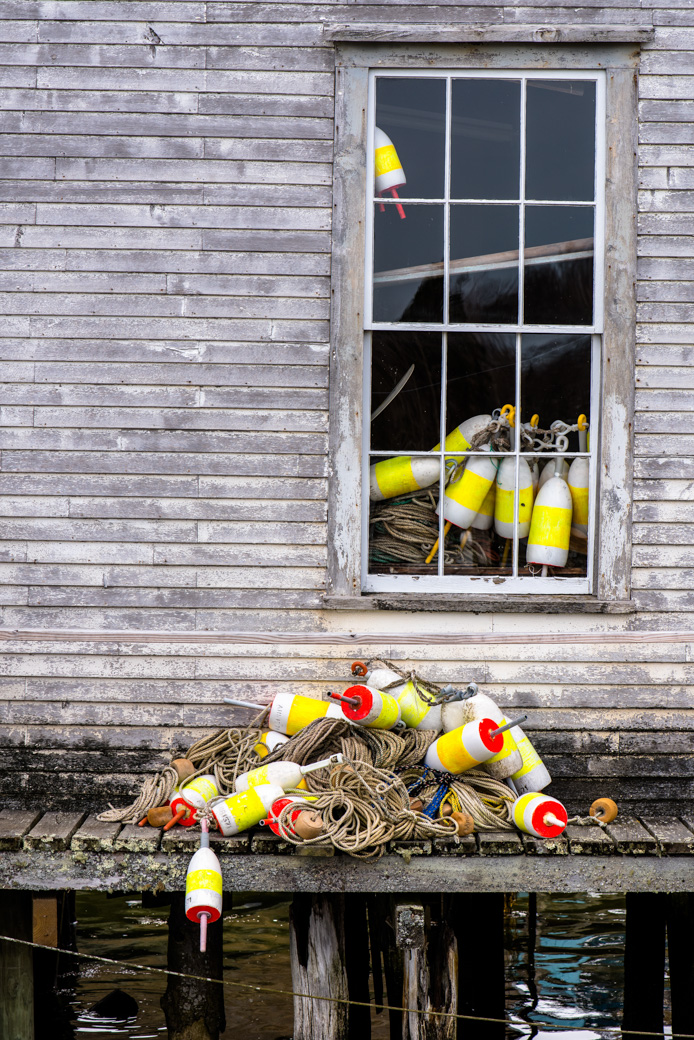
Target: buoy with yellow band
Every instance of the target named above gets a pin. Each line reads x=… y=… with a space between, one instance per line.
x=539 y=815
x=401 y=475
x=467 y=490
x=475 y=708
x=465 y=747
x=414 y=710
x=369 y=707
x=389 y=174
x=290 y=712
x=460 y=439
x=241 y=811
x=505 y=504
x=578 y=480
x=550 y=527
x=189 y=797
x=268 y=741
x=301 y=802
x=203 y=902
x=558 y=467
x=533 y=775
x=485 y=518
x=287 y=775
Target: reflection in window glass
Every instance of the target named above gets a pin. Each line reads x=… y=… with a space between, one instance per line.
x=408 y=264
x=555 y=380
x=485 y=139
x=558 y=265
x=480 y=375
x=484 y=264
x=411 y=422
x=560 y=140
x=412 y=112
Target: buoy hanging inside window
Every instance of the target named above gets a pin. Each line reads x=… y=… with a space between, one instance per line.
x=389 y=172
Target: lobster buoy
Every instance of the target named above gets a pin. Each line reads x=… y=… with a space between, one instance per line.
x=485 y=518
x=158 y=816
x=369 y=707
x=268 y=741
x=286 y=775
x=558 y=467
x=540 y=815
x=457 y=713
x=184 y=768
x=401 y=475
x=464 y=823
x=604 y=809
x=272 y=817
x=291 y=712
x=550 y=527
x=414 y=711
x=389 y=174
x=578 y=479
x=533 y=775
x=203 y=902
x=460 y=439
x=465 y=747
x=505 y=504
x=241 y=811
x=464 y=495
x=190 y=797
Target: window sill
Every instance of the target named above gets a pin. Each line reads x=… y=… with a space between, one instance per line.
x=481 y=604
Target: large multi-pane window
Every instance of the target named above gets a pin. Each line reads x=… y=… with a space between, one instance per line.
x=483 y=315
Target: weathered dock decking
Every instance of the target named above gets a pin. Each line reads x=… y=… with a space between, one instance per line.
x=50 y=851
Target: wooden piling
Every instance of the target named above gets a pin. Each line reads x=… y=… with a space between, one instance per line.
x=644 y=963
x=55 y=974
x=317 y=943
x=194 y=1010
x=680 y=928
x=357 y=966
x=430 y=968
x=477 y=919
x=16 y=968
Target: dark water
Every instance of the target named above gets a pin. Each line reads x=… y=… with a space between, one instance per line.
x=573 y=986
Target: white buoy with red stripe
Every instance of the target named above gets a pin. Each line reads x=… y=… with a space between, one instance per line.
x=479 y=706
x=414 y=711
x=533 y=775
x=539 y=815
x=287 y=774
x=401 y=475
x=290 y=712
x=268 y=741
x=368 y=707
x=465 y=747
x=204 y=887
x=389 y=174
x=550 y=527
x=300 y=801
x=241 y=811
x=189 y=797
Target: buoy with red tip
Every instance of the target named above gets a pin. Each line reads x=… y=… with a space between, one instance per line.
x=241 y=811
x=203 y=903
x=505 y=503
x=460 y=439
x=369 y=707
x=415 y=712
x=467 y=490
x=466 y=747
x=550 y=527
x=189 y=798
x=539 y=815
x=301 y=801
x=578 y=480
x=268 y=741
x=401 y=475
x=290 y=712
x=389 y=174
x=474 y=708
x=533 y=775
x=301 y=820
x=286 y=775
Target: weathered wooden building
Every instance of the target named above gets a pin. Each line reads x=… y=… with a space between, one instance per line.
x=187 y=363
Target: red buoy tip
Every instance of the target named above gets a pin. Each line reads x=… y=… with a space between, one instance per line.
x=359 y=711
x=492 y=743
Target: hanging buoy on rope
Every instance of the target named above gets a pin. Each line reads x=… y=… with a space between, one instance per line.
x=241 y=811
x=203 y=903
x=539 y=815
x=578 y=480
x=189 y=798
x=401 y=475
x=485 y=518
x=287 y=775
x=533 y=775
x=505 y=504
x=268 y=741
x=415 y=712
x=550 y=527
x=369 y=707
x=460 y=439
x=389 y=174
x=467 y=490
x=290 y=712
x=455 y=714
x=466 y=747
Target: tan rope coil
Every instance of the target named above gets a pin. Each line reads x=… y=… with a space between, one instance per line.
x=476 y=793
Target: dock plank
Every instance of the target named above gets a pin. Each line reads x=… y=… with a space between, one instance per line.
x=500 y=843
x=631 y=837
x=455 y=845
x=95 y=835
x=673 y=837
x=14 y=824
x=589 y=841
x=53 y=831
x=187 y=839
x=134 y=838
x=264 y=843
x=533 y=846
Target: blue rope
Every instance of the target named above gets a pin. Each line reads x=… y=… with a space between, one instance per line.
x=429 y=776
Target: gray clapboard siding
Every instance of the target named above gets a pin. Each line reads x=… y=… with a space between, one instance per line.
x=192 y=419
x=308 y=171
x=173 y=373
x=179 y=508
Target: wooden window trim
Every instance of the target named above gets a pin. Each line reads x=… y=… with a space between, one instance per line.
x=612 y=564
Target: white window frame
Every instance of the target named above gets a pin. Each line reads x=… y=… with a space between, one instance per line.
x=610 y=548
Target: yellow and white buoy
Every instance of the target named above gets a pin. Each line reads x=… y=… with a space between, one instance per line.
x=533 y=775
x=465 y=747
x=414 y=711
x=550 y=527
x=454 y=714
x=203 y=902
x=578 y=481
x=460 y=439
x=241 y=811
x=401 y=475
x=287 y=774
x=389 y=174
x=465 y=493
x=368 y=707
x=539 y=815
x=505 y=505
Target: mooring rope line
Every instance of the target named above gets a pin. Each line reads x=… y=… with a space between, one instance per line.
x=338 y=1000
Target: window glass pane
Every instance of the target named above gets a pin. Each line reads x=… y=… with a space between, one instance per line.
x=480 y=376
x=558 y=535
x=555 y=380
x=408 y=264
x=484 y=264
x=558 y=265
x=560 y=140
x=479 y=542
x=412 y=114
x=485 y=139
x=411 y=421
x=403 y=525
